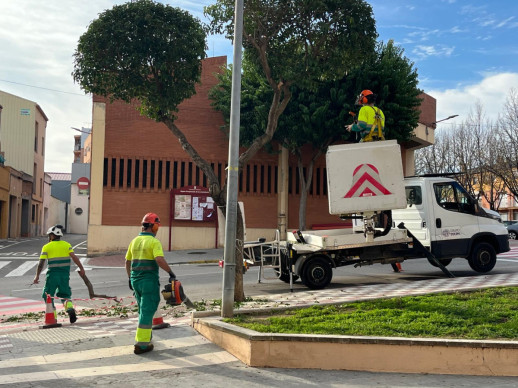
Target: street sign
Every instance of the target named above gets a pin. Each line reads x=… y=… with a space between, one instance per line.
x=83 y=183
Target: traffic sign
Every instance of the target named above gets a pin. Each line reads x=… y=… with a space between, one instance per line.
x=83 y=183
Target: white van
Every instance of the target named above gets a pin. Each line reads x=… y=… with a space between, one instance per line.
x=450 y=223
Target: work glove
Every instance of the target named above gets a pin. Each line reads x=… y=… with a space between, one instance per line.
x=130 y=286
x=172 y=276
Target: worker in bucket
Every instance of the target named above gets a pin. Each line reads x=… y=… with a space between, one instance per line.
x=371 y=120
x=143 y=259
x=58 y=254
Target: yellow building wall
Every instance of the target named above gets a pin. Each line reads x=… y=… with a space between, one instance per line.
x=17 y=135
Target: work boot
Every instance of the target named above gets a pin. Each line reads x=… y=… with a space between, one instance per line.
x=139 y=350
x=72 y=315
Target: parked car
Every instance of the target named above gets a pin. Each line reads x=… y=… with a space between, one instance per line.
x=513 y=231
x=507 y=223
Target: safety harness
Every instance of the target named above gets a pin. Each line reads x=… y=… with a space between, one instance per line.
x=376 y=132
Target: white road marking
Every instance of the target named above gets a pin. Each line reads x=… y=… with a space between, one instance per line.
x=22 y=269
x=3 y=264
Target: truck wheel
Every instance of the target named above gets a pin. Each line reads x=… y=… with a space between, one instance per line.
x=317 y=273
x=482 y=258
x=444 y=262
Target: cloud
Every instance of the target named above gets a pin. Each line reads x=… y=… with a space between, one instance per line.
x=491 y=92
x=425 y=35
x=37 y=43
x=504 y=22
x=422 y=52
x=457 y=29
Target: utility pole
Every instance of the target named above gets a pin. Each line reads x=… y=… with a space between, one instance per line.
x=229 y=255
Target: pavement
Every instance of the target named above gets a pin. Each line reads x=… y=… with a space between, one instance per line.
x=98 y=350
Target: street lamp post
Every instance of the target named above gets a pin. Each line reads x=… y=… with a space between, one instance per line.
x=438 y=121
x=447 y=118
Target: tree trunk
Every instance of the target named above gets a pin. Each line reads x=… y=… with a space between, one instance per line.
x=219 y=196
x=305 y=184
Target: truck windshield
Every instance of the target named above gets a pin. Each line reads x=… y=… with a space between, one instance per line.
x=452 y=196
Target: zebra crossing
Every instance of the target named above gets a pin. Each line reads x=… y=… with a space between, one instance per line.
x=16 y=267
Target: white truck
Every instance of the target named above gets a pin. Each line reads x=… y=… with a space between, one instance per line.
x=402 y=218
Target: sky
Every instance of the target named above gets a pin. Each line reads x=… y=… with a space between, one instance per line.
x=465 y=52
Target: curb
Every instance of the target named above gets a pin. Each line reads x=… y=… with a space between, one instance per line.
x=360 y=353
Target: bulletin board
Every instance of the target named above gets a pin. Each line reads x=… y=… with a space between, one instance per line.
x=192 y=203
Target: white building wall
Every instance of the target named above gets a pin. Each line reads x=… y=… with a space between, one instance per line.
x=57 y=212
x=46 y=204
x=78 y=214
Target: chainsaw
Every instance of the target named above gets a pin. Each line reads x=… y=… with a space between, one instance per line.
x=173 y=293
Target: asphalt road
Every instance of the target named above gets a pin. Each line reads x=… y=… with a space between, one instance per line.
x=18 y=261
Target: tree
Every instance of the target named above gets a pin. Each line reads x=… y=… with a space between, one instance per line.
x=316 y=117
x=151 y=52
x=437 y=158
x=469 y=152
x=296 y=43
x=392 y=76
x=474 y=149
x=506 y=166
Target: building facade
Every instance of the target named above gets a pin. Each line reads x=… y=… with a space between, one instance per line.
x=22 y=138
x=138 y=166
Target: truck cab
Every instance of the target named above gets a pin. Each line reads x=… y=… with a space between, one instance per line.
x=450 y=223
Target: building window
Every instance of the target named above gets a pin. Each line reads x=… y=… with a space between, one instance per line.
x=34 y=178
x=36 y=137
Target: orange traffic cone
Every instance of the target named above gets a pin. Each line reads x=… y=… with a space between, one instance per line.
x=158 y=321
x=50 y=317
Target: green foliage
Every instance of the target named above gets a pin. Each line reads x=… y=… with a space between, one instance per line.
x=303 y=41
x=483 y=314
x=392 y=76
x=142 y=50
x=318 y=116
x=256 y=96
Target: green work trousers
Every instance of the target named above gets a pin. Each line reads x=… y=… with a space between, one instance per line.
x=147 y=294
x=58 y=284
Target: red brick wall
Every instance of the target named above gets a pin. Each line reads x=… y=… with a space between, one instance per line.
x=428 y=110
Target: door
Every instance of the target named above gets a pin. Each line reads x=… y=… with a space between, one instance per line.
x=455 y=220
x=415 y=215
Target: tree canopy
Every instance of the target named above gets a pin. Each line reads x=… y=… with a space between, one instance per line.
x=297 y=44
x=142 y=50
x=316 y=116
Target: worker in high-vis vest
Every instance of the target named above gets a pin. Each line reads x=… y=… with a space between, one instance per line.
x=58 y=254
x=145 y=255
x=371 y=120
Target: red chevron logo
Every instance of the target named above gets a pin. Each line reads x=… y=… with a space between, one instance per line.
x=366 y=183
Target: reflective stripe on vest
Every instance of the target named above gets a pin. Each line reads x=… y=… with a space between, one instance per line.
x=59 y=262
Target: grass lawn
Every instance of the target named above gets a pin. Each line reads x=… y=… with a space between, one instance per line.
x=484 y=314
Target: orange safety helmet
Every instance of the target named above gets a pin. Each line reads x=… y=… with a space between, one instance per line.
x=362 y=98
x=151 y=218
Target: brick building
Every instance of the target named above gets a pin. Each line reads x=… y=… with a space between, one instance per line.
x=136 y=162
